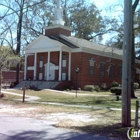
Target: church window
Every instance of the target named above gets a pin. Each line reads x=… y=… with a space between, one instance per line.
x=120 y=70
x=102 y=68
x=111 y=70
x=91 y=66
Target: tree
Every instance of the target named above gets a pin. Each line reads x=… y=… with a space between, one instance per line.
x=117 y=40
x=86 y=22
x=7 y=58
x=14 y=14
x=26 y=20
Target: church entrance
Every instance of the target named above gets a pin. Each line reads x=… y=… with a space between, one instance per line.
x=51 y=71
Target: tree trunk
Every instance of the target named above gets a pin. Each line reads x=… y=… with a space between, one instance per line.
x=0 y=81
x=19 y=29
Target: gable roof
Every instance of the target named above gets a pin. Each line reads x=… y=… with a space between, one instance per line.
x=94 y=47
x=44 y=43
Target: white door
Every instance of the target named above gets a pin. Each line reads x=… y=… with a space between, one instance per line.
x=51 y=71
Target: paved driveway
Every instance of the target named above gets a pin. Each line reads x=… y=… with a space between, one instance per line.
x=23 y=128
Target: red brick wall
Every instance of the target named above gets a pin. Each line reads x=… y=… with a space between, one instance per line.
x=81 y=60
x=76 y=62
x=30 y=75
x=67 y=64
x=10 y=76
x=45 y=57
x=55 y=60
x=57 y=31
x=30 y=60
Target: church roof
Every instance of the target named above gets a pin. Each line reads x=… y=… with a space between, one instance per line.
x=93 y=47
x=44 y=44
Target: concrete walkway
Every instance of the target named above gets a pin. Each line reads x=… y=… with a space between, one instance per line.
x=12 y=128
x=79 y=94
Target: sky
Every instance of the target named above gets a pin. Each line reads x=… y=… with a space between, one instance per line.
x=104 y=3
x=111 y=8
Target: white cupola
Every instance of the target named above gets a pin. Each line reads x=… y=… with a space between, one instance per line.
x=58 y=14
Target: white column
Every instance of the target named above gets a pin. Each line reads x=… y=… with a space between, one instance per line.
x=25 y=67
x=48 y=66
x=69 y=69
x=35 y=59
x=60 y=65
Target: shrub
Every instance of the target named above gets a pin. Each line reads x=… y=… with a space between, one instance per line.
x=136 y=85
x=116 y=90
x=89 y=88
x=97 y=88
x=104 y=87
x=115 y=84
x=12 y=85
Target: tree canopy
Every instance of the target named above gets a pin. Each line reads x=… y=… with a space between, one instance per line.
x=22 y=21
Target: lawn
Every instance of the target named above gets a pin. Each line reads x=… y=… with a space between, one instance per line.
x=108 y=122
x=106 y=99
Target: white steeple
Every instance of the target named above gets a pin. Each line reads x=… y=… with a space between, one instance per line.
x=59 y=4
x=58 y=14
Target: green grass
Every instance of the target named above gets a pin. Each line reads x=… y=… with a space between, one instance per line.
x=108 y=122
x=101 y=101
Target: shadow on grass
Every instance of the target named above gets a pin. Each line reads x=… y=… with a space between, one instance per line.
x=111 y=130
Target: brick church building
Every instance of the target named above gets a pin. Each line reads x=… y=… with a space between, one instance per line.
x=56 y=55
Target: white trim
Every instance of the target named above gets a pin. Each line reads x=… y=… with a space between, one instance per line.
x=35 y=60
x=69 y=69
x=64 y=63
x=82 y=48
x=25 y=67
x=66 y=48
x=60 y=65
x=41 y=64
x=44 y=50
x=11 y=71
x=90 y=51
x=40 y=76
x=30 y=68
x=47 y=39
x=48 y=66
x=63 y=76
x=58 y=26
x=105 y=54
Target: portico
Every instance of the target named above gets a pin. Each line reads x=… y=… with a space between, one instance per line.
x=54 y=64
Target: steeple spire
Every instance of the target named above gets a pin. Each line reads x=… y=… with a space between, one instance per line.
x=58 y=14
x=59 y=4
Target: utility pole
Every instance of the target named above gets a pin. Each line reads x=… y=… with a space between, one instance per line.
x=126 y=77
